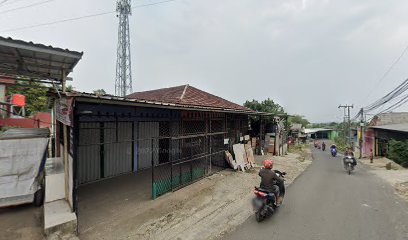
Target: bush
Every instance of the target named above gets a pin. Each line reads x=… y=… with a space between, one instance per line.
x=340 y=143
x=398 y=152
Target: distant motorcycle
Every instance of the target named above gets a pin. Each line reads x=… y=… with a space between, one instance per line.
x=333 y=152
x=349 y=163
x=323 y=147
x=264 y=202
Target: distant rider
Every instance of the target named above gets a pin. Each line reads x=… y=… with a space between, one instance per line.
x=349 y=152
x=269 y=179
x=323 y=146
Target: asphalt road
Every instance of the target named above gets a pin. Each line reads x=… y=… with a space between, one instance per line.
x=325 y=203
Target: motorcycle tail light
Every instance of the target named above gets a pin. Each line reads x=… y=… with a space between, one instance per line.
x=261 y=194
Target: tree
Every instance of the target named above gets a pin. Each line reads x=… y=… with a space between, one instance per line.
x=268 y=106
x=35 y=93
x=99 y=92
x=298 y=119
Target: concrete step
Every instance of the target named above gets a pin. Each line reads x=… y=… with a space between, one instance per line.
x=58 y=217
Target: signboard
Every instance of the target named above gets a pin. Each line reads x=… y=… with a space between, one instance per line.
x=226 y=141
x=64 y=110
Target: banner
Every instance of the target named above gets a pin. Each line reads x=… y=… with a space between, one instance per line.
x=64 y=110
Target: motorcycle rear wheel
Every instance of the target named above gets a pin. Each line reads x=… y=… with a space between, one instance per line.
x=258 y=216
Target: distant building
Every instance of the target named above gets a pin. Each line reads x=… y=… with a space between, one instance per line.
x=382 y=128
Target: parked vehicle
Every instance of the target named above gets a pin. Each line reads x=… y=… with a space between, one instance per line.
x=265 y=203
x=349 y=163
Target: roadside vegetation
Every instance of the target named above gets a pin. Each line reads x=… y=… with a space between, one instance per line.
x=341 y=143
x=299 y=149
x=398 y=152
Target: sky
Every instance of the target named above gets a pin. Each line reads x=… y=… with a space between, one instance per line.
x=309 y=56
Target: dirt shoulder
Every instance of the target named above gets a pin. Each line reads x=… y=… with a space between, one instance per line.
x=204 y=210
x=397 y=176
x=212 y=206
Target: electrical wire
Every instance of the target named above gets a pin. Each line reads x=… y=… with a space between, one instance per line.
x=388 y=97
x=3 y=2
x=78 y=18
x=391 y=96
x=396 y=105
x=387 y=72
x=27 y=6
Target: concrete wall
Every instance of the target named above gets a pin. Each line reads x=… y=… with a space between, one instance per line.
x=390 y=118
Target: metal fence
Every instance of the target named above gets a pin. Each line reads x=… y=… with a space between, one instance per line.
x=179 y=149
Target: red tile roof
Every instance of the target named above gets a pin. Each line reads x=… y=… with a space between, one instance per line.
x=187 y=95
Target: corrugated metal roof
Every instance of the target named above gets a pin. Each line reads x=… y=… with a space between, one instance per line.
x=314 y=130
x=36 y=61
x=109 y=99
x=400 y=127
x=188 y=96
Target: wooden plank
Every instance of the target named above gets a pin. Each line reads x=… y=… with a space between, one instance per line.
x=240 y=155
x=230 y=160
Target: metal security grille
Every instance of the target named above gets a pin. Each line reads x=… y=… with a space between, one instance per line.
x=194 y=148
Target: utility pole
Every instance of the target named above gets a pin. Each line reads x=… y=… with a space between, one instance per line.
x=361 y=132
x=347 y=117
x=123 y=83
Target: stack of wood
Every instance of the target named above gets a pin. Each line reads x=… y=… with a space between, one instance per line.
x=270 y=145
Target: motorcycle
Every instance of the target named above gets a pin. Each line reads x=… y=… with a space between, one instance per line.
x=333 y=152
x=323 y=147
x=265 y=203
x=349 y=163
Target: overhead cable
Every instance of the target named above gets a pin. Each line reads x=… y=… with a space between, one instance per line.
x=78 y=18
x=27 y=6
x=388 y=71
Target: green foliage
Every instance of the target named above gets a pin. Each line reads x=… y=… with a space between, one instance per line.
x=69 y=88
x=398 y=152
x=298 y=119
x=35 y=93
x=267 y=105
x=341 y=143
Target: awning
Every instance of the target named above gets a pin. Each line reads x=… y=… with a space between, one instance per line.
x=27 y=60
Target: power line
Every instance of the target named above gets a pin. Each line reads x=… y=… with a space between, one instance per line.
x=7 y=2
x=78 y=18
x=3 y=2
x=388 y=71
x=389 y=97
x=27 y=6
x=396 y=105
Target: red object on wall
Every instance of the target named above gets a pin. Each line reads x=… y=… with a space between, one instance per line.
x=18 y=100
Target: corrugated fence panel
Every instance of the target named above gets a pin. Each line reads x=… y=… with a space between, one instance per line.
x=89 y=152
x=117 y=148
x=148 y=131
